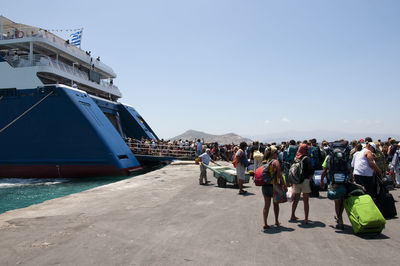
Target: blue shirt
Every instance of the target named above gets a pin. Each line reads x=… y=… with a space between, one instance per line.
x=243 y=158
x=205 y=158
x=199 y=147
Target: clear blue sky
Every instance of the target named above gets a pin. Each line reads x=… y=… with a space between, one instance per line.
x=251 y=67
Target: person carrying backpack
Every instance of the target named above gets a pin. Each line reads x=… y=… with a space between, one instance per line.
x=315 y=155
x=335 y=167
x=303 y=186
x=274 y=181
x=288 y=156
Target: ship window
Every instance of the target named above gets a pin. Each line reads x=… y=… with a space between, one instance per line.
x=94 y=76
x=140 y=119
x=8 y=92
x=123 y=156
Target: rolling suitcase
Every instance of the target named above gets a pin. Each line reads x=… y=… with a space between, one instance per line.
x=387 y=182
x=385 y=203
x=363 y=214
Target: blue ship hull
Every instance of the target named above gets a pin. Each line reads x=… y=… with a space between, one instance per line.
x=67 y=134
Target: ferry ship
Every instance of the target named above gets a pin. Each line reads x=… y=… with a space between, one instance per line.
x=59 y=109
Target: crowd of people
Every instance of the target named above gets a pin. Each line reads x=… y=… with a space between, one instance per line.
x=173 y=148
x=189 y=149
x=362 y=162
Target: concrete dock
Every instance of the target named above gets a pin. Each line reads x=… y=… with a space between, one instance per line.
x=166 y=218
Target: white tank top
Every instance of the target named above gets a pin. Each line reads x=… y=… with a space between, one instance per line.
x=361 y=166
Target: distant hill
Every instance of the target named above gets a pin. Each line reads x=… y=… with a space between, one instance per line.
x=221 y=139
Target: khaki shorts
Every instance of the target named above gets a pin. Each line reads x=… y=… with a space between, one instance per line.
x=303 y=187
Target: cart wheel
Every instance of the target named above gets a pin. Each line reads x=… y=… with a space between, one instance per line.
x=221 y=182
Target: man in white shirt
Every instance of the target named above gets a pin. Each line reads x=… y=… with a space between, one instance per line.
x=205 y=160
x=364 y=167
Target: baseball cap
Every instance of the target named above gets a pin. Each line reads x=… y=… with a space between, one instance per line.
x=372 y=145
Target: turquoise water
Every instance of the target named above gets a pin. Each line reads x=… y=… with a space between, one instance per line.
x=18 y=193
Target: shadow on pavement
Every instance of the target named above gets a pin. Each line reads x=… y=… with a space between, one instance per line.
x=312 y=224
x=348 y=230
x=277 y=229
x=232 y=186
x=248 y=194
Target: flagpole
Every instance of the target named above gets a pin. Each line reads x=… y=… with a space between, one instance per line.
x=1 y=27
x=81 y=38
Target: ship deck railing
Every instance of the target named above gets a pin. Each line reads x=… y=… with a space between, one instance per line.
x=43 y=60
x=33 y=32
x=162 y=150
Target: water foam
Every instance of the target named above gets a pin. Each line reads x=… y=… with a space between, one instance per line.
x=20 y=182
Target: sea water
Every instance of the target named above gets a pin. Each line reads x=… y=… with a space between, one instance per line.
x=18 y=193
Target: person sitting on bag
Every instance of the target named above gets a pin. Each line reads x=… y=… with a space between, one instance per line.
x=268 y=189
x=304 y=187
x=364 y=166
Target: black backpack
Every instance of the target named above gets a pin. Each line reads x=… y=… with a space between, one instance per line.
x=316 y=158
x=338 y=163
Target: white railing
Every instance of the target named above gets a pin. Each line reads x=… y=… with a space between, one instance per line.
x=42 y=60
x=161 y=149
x=21 y=33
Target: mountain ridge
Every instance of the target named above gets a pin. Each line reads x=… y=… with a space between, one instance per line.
x=221 y=139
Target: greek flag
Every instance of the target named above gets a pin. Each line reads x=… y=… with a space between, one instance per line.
x=76 y=38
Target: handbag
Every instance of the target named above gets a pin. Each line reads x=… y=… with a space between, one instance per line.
x=279 y=194
x=290 y=194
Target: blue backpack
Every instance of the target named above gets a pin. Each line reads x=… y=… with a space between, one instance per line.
x=315 y=156
x=290 y=154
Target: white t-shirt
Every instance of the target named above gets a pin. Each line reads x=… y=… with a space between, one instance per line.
x=360 y=164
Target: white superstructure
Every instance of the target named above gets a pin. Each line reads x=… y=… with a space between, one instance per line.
x=31 y=57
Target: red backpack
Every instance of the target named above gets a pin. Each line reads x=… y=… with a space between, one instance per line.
x=264 y=174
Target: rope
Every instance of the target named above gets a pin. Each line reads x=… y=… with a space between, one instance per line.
x=24 y=113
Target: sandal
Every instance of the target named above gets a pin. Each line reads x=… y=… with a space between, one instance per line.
x=339 y=224
x=265 y=227
x=242 y=192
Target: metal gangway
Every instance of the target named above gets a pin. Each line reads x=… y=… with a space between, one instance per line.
x=160 y=151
